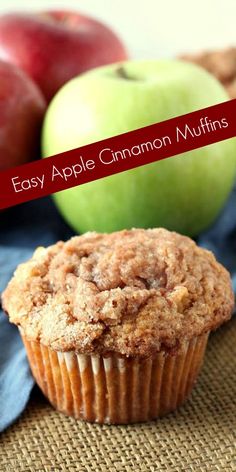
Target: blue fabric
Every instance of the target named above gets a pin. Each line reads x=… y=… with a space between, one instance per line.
x=221 y=237
x=39 y=224
x=21 y=230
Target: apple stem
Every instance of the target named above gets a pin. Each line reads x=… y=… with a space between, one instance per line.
x=121 y=72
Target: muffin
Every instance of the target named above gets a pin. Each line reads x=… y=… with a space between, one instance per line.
x=116 y=325
x=222 y=64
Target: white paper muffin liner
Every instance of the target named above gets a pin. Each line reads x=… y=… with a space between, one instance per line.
x=113 y=389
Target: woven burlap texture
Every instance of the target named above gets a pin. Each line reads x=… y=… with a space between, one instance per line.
x=201 y=436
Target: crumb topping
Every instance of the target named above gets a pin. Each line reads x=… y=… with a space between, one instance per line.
x=222 y=64
x=131 y=292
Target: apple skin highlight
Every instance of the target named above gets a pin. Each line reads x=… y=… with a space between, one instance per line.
x=185 y=193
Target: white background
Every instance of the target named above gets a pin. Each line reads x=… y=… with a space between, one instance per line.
x=155 y=28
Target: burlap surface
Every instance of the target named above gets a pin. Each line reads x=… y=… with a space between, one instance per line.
x=201 y=436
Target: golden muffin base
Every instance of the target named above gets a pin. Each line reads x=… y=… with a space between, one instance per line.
x=116 y=390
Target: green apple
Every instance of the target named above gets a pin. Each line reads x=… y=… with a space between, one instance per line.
x=184 y=193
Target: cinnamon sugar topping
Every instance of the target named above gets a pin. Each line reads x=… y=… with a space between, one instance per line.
x=132 y=292
x=222 y=64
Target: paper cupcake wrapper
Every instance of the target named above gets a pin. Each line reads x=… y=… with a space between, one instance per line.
x=112 y=389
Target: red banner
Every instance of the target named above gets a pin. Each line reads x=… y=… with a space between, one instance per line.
x=118 y=154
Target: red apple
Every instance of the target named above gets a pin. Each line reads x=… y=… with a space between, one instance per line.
x=54 y=46
x=22 y=107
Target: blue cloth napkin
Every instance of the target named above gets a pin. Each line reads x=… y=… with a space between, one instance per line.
x=221 y=237
x=39 y=224
x=21 y=230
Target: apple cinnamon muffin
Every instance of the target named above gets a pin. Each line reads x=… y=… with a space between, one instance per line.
x=222 y=64
x=116 y=325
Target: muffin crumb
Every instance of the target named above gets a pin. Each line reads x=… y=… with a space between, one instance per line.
x=222 y=64
x=134 y=292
